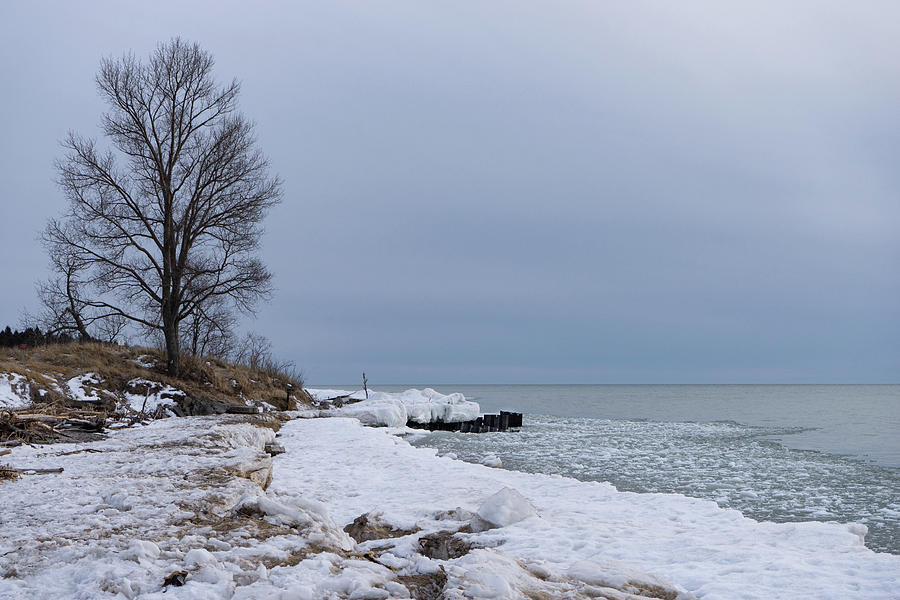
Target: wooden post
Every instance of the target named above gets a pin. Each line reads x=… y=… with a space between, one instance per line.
x=22 y=348
x=365 y=385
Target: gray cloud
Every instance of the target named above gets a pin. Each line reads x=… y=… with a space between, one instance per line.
x=514 y=191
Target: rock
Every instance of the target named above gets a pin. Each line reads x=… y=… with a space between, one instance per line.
x=193 y=407
x=371 y=526
x=175 y=579
x=274 y=448
x=241 y=409
x=444 y=545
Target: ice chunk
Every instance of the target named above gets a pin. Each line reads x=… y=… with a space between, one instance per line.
x=492 y=460
x=142 y=549
x=199 y=557
x=615 y=574
x=505 y=508
x=381 y=411
x=429 y=406
x=117 y=500
x=387 y=409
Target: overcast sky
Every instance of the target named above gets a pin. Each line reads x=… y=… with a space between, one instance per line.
x=523 y=192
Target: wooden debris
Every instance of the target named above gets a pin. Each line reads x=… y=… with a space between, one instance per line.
x=27 y=471
x=41 y=428
x=505 y=421
x=71 y=452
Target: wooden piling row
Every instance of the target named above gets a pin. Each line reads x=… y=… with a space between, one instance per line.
x=484 y=424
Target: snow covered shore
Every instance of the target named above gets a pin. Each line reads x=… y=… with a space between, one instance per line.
x=197 y=501
x=580 y=527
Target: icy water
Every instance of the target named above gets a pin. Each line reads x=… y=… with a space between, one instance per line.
x=778 y=453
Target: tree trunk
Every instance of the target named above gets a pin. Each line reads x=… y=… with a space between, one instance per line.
x=173 y=352
x=73 y=308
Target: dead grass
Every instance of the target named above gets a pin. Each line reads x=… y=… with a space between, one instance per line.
x=47 y=367
x=7 y=473
x=425 y=587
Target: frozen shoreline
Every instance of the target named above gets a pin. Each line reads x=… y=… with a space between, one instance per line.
x=187 y=496
x=714 y=553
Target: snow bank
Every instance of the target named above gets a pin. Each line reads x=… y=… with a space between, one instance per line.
x=396 y=409
x=15 y=391
x=77 y=388
x=129 y=511
x=149 y=396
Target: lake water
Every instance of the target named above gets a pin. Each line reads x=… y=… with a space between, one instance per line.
x=781 y=453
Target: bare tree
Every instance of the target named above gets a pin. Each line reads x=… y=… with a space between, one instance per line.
x=167 y=221
x=254 y=351
x=63 y=309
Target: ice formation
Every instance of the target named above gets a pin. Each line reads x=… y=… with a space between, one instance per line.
x=386 y=409
x=195 y=508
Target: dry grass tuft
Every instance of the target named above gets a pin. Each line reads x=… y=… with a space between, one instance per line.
x=7 y=473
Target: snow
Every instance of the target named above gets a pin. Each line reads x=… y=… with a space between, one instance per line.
x=146 y=361
x=76 y=386
x=150 y=396
x=15 y=391
x=386 y=409
x=714 y=553
x=189 y=495
x=122 y=517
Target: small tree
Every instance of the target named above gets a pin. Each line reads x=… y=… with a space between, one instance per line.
x=167 y=221
x=209 y=331
x=64 y=311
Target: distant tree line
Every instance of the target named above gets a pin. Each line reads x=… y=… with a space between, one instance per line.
x=31 y=336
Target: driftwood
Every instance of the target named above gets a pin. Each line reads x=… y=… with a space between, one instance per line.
x=32 y=427
x=27 y=471
x=79 y=451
